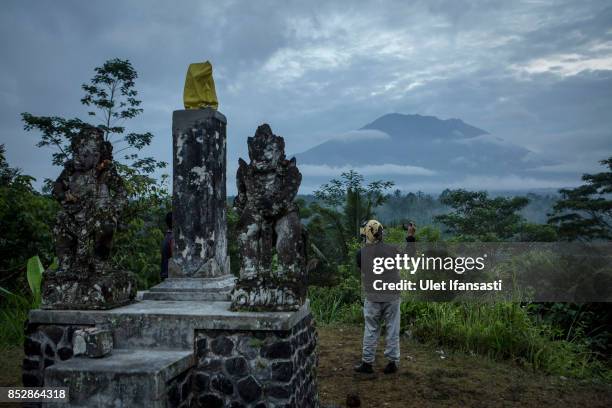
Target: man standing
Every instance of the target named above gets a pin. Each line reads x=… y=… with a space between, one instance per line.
x=166 y=248
x=379 y=306
x=411 y=232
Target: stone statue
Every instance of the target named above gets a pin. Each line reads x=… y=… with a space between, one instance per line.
x=91 y=195
x=270 y=236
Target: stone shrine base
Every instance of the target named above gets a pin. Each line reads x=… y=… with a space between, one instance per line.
x=178 y=354
x=65 y=290
x=211 y=289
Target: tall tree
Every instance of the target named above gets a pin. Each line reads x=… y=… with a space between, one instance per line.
x=475 y=216
x=346 y=202
x=112 y=97
x=585 y=212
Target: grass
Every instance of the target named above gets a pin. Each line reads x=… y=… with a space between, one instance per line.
x=13 y=315
x=428 y=378
x=500 y=331
x=333 y=305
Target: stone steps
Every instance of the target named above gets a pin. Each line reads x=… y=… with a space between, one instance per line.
x=194 y=289
x=126 y=378
x=181 y=296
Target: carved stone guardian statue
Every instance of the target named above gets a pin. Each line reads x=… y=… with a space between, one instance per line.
x=270 y=236
x=91 y=195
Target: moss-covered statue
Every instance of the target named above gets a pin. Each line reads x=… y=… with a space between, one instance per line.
x=270 y=236
x=91 y=196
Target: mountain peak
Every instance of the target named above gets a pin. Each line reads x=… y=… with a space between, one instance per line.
x=416 y=126
x=417 y=147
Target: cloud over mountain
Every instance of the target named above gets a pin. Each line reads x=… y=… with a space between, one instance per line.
x=428 y=153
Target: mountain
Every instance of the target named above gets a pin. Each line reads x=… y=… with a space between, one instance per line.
x=419 y=149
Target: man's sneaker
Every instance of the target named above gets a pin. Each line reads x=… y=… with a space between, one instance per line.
x=390 y=368
x=364 y=367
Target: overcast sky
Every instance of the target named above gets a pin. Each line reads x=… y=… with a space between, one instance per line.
x=536 y=73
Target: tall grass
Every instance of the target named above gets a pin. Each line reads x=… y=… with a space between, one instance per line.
x=500 y=331
x=15 y=307
x=328 y=306
x=13 y=314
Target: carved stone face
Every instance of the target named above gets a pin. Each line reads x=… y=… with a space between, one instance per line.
x=266 y=150
x=86 y=154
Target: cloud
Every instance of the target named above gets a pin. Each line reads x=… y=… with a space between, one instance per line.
x=361 y=135
x=315 y=170
x=491 y=183
x=571 y=167
x=568 y=64
x=536 y=74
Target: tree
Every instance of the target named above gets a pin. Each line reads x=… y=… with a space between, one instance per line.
x=112 y=99
x=112 y=96
x=344 y=204
x=475 y=216
x=26 y=220
x=585 y=212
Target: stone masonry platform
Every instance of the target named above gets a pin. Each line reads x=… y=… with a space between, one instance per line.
x=177 y=354
x=125 y=378
x=168 y=324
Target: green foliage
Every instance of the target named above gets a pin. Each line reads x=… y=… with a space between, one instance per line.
x=529 y=232
x=111 y=91
x=112 y=94
x=26 y=220
x=589 y=323
x=397 y=235
x=137 y=246
x=585 y=212
x=499 y=331
x=475 y=216
x=15 y=307
x=340 y=303
x=343 y=204
x=402 y=208
x=232 y=239
x=394 y=235
x=428 y=233
x=14 y=311
x=34 y=274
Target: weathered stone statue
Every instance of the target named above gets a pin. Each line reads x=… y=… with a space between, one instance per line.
x=91 y=195
x=271 y=237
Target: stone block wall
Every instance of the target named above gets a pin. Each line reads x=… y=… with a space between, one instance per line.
x=257 y=369
x=180 y=390
x=43 y=346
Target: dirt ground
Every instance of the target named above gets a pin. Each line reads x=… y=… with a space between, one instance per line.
x=428 y=378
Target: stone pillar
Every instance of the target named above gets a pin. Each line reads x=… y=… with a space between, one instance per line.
x=199 y=268
x=199 y=197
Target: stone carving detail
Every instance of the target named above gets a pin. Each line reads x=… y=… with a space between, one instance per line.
x=91 y=195
x=270 y=236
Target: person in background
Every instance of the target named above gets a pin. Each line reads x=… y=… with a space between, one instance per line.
x=411 y=232
x=378 y=308
x=410 y=238
x=166 y=247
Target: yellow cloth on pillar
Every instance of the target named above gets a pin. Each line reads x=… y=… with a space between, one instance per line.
x=199 y=89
